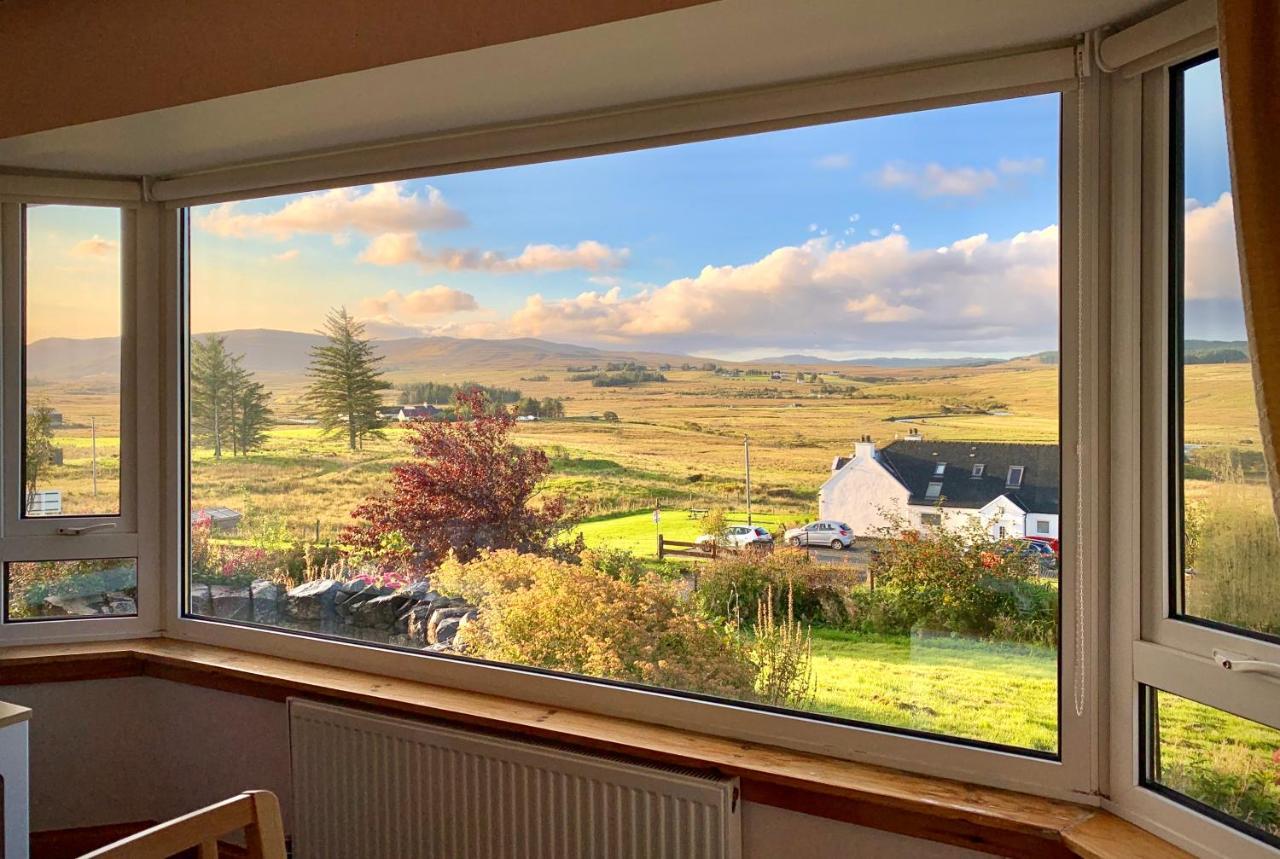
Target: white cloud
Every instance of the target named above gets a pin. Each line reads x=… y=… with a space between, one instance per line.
x=400 y=248
x=286 y=256
x=338 y=213
x=934 y=180
x=875 y=231
x=438 y=300
x=834 y=161
x=96 y=246
x=974 y=295
x=1212 y=261
x=1020 y=166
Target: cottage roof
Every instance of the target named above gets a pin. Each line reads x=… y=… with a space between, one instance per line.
x=915 y=464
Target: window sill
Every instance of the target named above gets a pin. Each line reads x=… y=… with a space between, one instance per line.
x=996 y=821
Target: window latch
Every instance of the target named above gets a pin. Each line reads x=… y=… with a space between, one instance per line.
x=1245 y=664
x=86 y=529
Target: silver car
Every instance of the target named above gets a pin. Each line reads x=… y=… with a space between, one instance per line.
x=738 y=537
x=824 y=532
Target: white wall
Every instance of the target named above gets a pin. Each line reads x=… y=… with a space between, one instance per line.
x=137 y=748
x=863 y=495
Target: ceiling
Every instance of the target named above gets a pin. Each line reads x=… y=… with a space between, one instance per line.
x=721 y=45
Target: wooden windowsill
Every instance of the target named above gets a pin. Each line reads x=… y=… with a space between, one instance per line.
x=1001 y=822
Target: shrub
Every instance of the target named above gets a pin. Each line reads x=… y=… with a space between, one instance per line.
x=957 y=580
x=544 y=613
x=1234 y=780
x=29 y=582
x=732 y=587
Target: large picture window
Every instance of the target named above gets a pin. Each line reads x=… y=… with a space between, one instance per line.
x=734 y=419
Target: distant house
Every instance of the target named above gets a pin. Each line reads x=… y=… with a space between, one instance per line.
x=409 y=413
x=1013 y=489
x=388 y=413
x=55 y=417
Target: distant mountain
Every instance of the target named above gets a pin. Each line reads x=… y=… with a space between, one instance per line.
x=289 y=353
x=884 y=362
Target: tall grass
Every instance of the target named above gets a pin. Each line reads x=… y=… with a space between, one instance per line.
x=1233 y=554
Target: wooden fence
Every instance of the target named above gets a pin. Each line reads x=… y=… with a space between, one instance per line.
x=701 y=551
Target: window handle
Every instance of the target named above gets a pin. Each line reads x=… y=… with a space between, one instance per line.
x=86 y=529
x=1245 y=664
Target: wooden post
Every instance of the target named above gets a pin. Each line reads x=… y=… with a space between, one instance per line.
x=660 y=547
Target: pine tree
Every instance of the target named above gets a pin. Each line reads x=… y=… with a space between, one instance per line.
x=251 y=414
x=345 y=380
x=214 y=375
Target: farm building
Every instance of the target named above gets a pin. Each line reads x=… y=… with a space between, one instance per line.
x=1011 y=488
x=409 y=413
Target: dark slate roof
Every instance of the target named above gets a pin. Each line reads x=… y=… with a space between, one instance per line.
x=841 y=462
x=914 y=462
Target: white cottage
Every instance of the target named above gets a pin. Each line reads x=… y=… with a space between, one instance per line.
x=1011 y=488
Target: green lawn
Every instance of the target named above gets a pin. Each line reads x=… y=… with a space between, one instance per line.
x=636 y=533
x=999 y=693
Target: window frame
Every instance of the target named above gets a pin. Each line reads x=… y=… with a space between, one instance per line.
x=38 y=538
x=1149 y=647
x=1073 y=775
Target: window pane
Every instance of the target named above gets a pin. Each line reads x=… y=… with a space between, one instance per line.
x=72 y=361
x=1223 y=762
x=1231 y=553
x=55 y=590
x=595 y=416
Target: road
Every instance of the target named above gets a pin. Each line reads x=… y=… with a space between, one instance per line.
x=858 y=555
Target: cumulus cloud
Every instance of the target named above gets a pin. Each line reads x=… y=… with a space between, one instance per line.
x=371 y=210
x=834 y=161
x=1020 y=166
x=1212 y=262
x=95 y=247
x=934 y=180
x=438 y=300
x=392 y=249
x=974 y=295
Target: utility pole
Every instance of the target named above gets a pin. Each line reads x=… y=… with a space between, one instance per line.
x=93 y=434
x=746 y=447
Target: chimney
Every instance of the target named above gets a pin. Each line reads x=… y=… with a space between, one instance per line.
x=913 y=434
x=865 y=447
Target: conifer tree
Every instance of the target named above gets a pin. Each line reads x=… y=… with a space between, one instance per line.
x=345 y=381
x=214 y=374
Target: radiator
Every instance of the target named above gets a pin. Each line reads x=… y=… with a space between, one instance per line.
x=367 y=786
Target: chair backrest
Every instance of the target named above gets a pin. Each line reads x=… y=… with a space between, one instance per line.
x=257 y=812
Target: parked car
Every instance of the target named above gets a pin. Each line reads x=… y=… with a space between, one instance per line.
x=738 y=537
x=824 y=532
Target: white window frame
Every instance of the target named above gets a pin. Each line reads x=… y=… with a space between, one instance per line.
x=1149 y=648
x=1009 y=482
x=978 y=469
x=39 y=538
x=1075 y=775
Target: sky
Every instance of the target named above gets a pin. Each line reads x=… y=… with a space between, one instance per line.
x=928 y=233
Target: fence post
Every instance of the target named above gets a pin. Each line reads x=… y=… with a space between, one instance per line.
x=660 y=547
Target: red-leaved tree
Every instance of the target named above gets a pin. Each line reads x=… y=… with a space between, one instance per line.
x=467 y=488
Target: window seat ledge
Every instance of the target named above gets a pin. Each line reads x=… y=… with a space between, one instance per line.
x=1000 y=822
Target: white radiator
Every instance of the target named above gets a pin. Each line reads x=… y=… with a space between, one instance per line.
x=374 y=787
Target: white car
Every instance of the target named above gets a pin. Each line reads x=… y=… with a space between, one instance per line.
x=824 y=532
x=738 y=537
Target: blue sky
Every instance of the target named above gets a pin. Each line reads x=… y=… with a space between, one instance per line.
x=831 y=240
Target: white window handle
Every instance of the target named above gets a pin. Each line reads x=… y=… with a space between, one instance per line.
x=1245 y=664
x=86 y=529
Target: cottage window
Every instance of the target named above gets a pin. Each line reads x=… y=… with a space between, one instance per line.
x=1043 y=526
x=940 y=469
x=931 y=520
x=978 y=469
x=1014 y=480
x=934 y=490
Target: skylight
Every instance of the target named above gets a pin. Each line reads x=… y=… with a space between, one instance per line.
x=978 y=468
x=1015 y=477
x=934 y=490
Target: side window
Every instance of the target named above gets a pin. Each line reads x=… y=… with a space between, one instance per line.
x=70 y=548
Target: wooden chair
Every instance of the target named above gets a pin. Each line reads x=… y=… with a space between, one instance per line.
x=257 y=812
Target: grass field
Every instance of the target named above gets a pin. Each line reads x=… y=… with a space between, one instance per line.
x=679 y=445
x=999 y=693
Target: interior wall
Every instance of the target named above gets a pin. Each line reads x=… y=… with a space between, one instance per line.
x=138 y=748
x=66 y=62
